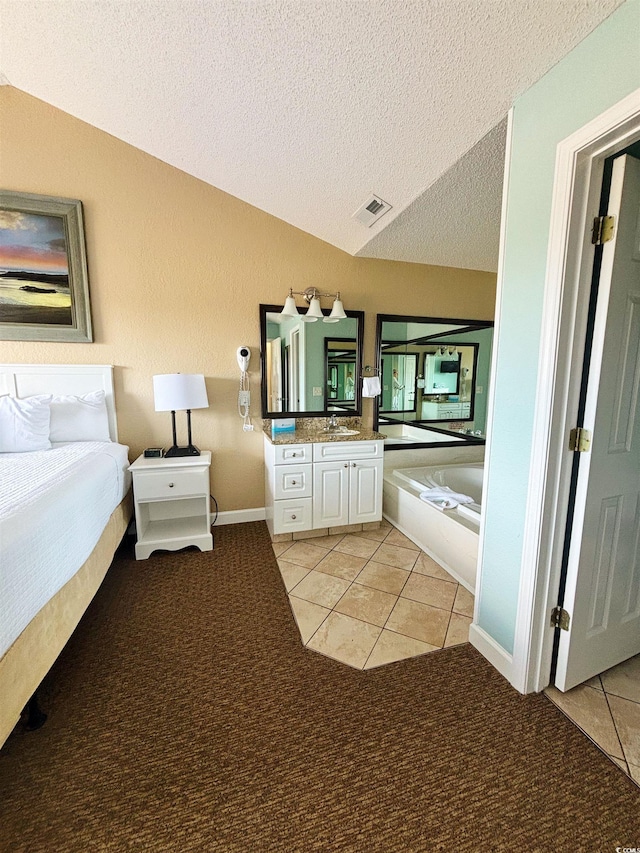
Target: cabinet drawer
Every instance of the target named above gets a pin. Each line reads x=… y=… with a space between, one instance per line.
x=292 y=515
x=159 y=485
x=292 y=454
x=347 y=450
x=293 y=481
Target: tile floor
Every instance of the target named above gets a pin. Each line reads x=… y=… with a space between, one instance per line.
x=607 y=709
x=372 y=597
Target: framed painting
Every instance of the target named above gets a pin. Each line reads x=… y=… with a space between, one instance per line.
x=44 y=286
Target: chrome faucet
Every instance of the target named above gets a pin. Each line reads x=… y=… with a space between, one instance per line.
x=333 y=422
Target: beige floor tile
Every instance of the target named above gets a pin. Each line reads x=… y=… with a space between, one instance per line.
x=393 y=555
x=327 y=542
x=622 y=764
x=634 y=772
x=595 y=683
x=396 y=538
x=357 y=546
x=370 y=605
x=280 y=547
x=308 y=617
x=425 y=565
x=320 y=589
x=311 y=534
x=387 y=578
x=305 y=554
x=589 y=710
x=626 y=716
x=464 y=602
x=373 y=535
x=392 y=647
x=291 y=574
x=420 y=621
x=458 y=630
x=346 y=566
x=431 y=591
x=346 y=528
x=373 y=525
x=282 y=537
x=624 y=679
x=345 y=639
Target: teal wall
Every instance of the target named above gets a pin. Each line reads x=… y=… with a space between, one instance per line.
x=598 y=73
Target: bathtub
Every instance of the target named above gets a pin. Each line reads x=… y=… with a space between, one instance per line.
x=449 y=536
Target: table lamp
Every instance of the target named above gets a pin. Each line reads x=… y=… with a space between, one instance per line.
x=174 y=392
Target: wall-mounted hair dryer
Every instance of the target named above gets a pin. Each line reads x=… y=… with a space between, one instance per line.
x=244 y=355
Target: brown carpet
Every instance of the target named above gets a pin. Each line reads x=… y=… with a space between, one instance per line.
x=186 y=716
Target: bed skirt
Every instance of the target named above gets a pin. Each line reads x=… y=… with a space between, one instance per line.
x=32 y=655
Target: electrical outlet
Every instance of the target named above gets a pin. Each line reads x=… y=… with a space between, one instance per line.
x=317 y=392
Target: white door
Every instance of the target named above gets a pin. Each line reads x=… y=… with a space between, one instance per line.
x=274 y=374
x=602 y=594
x=365 y=491
x=330 y=494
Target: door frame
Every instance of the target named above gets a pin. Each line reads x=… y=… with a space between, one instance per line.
x=576 y=196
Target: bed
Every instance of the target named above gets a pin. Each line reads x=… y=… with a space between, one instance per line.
x=63 y=512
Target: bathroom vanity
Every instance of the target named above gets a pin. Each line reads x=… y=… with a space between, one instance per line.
x=316 y=481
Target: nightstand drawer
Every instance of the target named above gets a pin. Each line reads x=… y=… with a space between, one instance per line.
x=160 y=485
x=293 y=481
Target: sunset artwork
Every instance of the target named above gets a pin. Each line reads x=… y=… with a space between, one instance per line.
x=34 y=269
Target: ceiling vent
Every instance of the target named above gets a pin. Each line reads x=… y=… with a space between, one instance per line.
x=373 y=208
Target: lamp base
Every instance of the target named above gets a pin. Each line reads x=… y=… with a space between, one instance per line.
x=189 y=450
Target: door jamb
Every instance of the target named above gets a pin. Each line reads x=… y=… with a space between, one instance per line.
x=576 y=195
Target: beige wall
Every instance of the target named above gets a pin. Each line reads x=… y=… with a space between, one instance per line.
x=177 y=270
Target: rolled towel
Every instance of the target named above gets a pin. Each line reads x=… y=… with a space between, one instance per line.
x=370 y=386
x=445 y=493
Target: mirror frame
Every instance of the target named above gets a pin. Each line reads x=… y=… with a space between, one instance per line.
x=323 y=413
x=468 y=326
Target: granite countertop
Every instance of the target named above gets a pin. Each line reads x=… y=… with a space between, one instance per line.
x=308 y=434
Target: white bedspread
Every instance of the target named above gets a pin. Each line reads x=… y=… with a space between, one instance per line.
x=54 y=505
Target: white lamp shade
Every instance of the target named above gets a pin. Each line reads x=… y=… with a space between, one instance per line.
x=290 y=309
x=315 y=311
x=337 y=312
x=179 y=391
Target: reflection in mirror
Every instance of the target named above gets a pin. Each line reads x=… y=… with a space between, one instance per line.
x=434 y=374
x=310 y=369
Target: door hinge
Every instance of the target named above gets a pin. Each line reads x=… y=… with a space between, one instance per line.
x=580 y=440
x=560 y=618
x=603 y=229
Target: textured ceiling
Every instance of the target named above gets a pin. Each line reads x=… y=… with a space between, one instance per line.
x=303 y=108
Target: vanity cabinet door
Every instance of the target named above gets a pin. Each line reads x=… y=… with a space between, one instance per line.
x=330 y=494
x=365 y=491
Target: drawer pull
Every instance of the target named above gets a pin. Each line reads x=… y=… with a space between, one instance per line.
x=346 y=464
x=294 y=454
x=293 y=482
x=170 y=485
x=293 y=518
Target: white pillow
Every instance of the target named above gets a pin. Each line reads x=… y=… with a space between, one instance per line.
x=82 y=418
x=24 y=424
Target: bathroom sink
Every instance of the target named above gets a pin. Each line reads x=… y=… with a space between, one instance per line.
x=341 y=431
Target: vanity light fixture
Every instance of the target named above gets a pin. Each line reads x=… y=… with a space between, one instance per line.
x=312 y=296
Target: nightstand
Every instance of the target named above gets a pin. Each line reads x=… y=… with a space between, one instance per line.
x=171 y=498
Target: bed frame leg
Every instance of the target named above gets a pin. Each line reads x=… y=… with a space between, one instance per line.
x=36 y=717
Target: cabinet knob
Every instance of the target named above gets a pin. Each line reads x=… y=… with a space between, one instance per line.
x=170 y=485
x=293 y=518
x=346 y=464
x=294 y=454
x=353 y=464
x=293 y=482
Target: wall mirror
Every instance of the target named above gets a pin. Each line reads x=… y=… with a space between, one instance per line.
x=310 y=369
x=434 y=375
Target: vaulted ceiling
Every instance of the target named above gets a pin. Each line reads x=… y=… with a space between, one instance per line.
x=305 y=108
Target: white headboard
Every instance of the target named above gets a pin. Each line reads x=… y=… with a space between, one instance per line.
x=25 y=380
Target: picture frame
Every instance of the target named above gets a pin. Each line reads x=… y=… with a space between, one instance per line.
x=44 y=282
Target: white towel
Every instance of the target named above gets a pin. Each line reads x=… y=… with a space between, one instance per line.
x=370 y=386
x=444 y=498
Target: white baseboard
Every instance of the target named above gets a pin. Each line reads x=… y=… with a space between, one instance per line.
x=239 y=516
x=493 y=652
